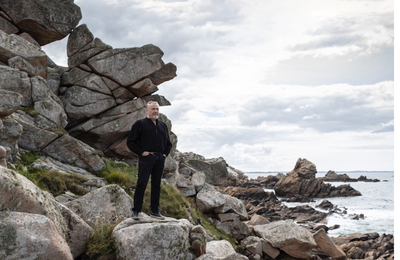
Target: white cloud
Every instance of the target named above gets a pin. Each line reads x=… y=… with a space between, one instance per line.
x=263 y=83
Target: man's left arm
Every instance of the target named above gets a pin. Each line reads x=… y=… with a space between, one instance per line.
x=168 y=143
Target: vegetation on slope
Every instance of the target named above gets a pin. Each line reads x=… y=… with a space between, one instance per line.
x=172 y=203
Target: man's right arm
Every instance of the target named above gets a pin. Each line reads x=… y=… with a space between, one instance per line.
x=133 y=138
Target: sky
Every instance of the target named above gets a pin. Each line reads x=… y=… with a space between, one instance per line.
x=262 y=83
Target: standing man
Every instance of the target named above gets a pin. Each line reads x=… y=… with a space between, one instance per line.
x=149 y=139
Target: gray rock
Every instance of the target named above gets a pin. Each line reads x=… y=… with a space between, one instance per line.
x=31 y=236
x=126 y=66
x=74 y=152
x=169 y=237
x=45 y=21
x=216 y=171
x=208 y=198
x=81 y=103
x=105 y=205
x=9 y=102
x=13 y=45
x=17 y=193
x=286 y=235
x=16 y=81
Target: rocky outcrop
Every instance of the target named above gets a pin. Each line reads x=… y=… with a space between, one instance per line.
x=301 y=181
x=332 y=176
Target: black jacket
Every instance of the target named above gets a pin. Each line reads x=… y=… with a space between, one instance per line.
x=147 y=136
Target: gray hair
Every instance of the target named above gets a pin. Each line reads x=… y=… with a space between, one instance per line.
x=152 y=102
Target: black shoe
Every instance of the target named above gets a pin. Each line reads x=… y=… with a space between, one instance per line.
x=157 y=215
x=135 y=214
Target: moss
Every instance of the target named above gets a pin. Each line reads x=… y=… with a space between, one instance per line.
x=8 y=237
x=29 y=110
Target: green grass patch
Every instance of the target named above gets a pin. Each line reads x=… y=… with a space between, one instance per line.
x=54 y=182
x=119 y=173
x=101 y=242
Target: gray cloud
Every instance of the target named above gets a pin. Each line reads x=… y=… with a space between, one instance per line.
x=328 y=114
x=355 y=69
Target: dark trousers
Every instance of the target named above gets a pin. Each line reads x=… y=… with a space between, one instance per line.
x=151 y=165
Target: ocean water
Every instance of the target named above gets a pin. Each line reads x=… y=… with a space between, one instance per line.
x=376 y=203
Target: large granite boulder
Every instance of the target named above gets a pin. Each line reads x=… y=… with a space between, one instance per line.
x=287 y=236
x=31 y=236
x=44 y=21
x=105 y=205
x=153 y=239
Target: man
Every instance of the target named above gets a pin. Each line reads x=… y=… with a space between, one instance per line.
x=149 y=139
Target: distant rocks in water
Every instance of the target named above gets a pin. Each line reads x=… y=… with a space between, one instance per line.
x=332 y=176
x=301 y=181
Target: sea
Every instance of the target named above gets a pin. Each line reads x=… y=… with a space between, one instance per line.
x=376 y=203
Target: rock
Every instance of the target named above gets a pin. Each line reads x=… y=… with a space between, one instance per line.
x=326 y=245
x=79 y=231
x=221 y=249
x=34 y=136
x=232 y=205
x=230 y=223
x=142 y=88
x=253 y=244
x=45 y=21
x=208 y=198
x=17 y=193
x=13 y=46
x=296 y=241
x=81 y=103
x=185 y=187
x=169 y=237
x=325 y=204
x=301 y=181
x=198 y=240
x=6 y=25
x=3 y=154
x=215 y=171
x=127 y=66
x=167 y=72
x=258 y=220
x=9 y=102
x=105 y=205
x=9 y=137
x=16 y=81
x=31 y=236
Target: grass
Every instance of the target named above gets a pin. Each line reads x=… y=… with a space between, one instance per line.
x=101 y=242
x=54 y=182
x=120 y=173
x=172 y=203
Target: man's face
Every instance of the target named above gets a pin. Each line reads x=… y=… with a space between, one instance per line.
x=152 y=111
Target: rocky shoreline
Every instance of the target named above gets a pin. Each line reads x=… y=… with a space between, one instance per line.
x=78 y=116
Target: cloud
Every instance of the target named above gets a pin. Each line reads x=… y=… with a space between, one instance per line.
x=263 y=83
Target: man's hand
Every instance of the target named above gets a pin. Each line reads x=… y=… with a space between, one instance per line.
x=145 y=153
